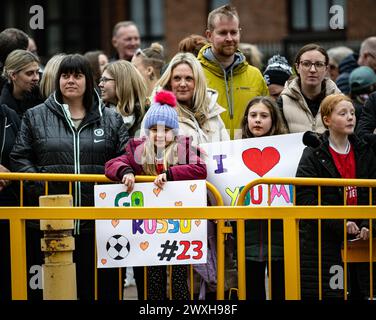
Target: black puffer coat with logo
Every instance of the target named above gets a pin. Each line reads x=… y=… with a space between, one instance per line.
x=48 y=142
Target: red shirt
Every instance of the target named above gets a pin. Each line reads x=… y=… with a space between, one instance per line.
x=159 y=166
x=346 y=166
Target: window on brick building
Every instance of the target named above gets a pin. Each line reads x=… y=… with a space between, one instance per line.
x=314 y=15
x=63 y=23
x=149 y=17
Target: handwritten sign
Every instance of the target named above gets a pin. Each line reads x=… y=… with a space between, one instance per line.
x=125 y=243
x=233 y=164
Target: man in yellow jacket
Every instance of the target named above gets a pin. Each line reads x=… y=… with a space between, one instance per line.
x=227 y=70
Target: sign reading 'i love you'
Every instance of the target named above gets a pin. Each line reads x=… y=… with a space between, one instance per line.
x=233 y=164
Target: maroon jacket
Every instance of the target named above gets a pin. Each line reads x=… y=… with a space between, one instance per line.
x=190 y=166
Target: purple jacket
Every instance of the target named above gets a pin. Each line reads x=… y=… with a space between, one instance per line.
x=190 y=166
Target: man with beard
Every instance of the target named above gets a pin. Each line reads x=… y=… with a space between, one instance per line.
x=226 y=68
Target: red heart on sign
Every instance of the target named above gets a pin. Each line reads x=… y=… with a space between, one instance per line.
x=261 y=162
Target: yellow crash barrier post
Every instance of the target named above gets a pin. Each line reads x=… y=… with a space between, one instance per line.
x=292 y=260
x=59 y=271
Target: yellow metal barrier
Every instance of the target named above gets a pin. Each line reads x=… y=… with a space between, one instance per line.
x=289 y=215
x=291 y=229
x=286 y=213
x=17 y=225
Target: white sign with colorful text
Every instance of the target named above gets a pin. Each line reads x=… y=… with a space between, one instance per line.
x=125 y=243
x=233 y=164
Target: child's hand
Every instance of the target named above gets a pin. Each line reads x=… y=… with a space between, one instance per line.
x=363 y=234
x=128 y=180
x=352 y=228
x=160 y=180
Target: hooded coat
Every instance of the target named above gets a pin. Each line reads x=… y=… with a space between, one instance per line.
x=317 y=161
x=236 y=85
x=295 y=110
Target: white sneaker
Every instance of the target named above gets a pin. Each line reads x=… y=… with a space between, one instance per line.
x=129 y=282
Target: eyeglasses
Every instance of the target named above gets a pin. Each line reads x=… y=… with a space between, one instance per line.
x=104 y=79
x=307 y=65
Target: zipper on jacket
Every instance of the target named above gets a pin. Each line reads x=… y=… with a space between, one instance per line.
x=69 y=121
x=78 y=162
x=76 y=156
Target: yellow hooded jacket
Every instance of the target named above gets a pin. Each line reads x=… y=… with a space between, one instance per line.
x=236 y=86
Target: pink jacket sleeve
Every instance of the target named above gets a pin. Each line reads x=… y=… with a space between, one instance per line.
x=117 y=167
x=193 y=168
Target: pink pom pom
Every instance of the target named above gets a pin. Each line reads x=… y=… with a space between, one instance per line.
x=165 y=97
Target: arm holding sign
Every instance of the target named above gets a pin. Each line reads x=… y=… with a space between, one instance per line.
x=190 y=165
x=116 y=168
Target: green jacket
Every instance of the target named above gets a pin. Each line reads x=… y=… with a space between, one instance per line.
x=236 y=86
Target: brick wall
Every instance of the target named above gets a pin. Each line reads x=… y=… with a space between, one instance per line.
x=183 y=18
x=361 y=19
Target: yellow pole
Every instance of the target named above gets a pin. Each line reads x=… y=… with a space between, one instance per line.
x=291 y=252
x=241 y=258
x=59 y=271
x=18 y=259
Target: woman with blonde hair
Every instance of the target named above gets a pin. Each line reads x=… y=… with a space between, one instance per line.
x=198 y=110
x=47 y=84
x=21 y=92
x=122 y=87
x=149 y=62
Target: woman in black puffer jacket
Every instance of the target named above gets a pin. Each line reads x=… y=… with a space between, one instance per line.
x=72 y=132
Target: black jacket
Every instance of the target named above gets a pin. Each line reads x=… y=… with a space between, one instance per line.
x=31 y=99
x=317 y=162
x=9 y=126
x=49 y=143
x=367 y=122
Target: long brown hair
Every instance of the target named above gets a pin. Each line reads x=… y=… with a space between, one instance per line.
x=278 y=126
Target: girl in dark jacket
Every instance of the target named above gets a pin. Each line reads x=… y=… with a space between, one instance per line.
x=72 y=132
x=21 y=91
x=9 y=126
x=262 y=118
x=338 y=153
x=164 y=155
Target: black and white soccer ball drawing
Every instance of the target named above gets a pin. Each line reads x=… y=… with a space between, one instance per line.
x=117 y=247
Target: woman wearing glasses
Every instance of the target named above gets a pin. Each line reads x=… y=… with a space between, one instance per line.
x=122 y=87
x=300 y=99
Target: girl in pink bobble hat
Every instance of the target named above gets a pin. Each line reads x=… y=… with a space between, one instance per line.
x=168 y=157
